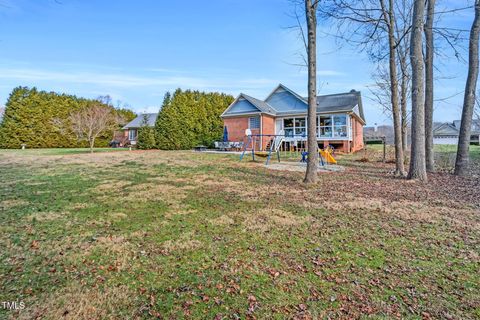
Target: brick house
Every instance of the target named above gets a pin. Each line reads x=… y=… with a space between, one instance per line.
x=130 y=130
x=340 y=119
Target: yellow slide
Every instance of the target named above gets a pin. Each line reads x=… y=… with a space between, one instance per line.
x=327 y=156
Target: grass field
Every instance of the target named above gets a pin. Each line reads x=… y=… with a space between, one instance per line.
x=145 y=234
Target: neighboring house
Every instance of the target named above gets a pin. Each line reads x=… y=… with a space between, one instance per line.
x=131 y=128
x=340 y=119
x=448 y=132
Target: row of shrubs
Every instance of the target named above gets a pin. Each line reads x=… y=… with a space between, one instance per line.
x=186 y=118
x=33 y=117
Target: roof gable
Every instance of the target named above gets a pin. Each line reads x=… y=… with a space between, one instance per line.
x=445 y=129
x=140 y=119
x=241 y=105
x=285 y=100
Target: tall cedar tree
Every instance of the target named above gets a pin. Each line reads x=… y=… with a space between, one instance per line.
x=146 y=135
x=461 y=163
x=312 y=163
x=189 y=118
x=418 y=168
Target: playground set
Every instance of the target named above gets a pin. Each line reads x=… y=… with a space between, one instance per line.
x=273 y=147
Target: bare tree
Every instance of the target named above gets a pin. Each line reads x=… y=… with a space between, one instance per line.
x=461 y=163
x=91 y=122
x=382 y=88
x=429 y=50
x=312 y=163
x=371 y=26
x=418 y=168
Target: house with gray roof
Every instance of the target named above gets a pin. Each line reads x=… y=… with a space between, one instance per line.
x=448 y=132
x=131 y=128
x=340 y=119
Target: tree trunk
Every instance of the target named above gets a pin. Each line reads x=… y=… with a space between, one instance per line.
x=461 y=163
x=404 y=96
x=429 y=50
x=312 y=163
x=397 y=125
x=418 y=168
x=92 y=144
x=403 y=106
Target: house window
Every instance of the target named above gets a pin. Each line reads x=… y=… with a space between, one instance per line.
x=132 y=134
x=325 y=125
x=340 y=126
x=295 y=127
x=288 y=127
x=300 y=126
x=254 y=122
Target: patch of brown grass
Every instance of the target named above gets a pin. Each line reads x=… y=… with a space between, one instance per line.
x=46 y=216
x=185 y=243
x=80 y=302
x=112 y=185
x=12 y=203
x=222 y=221
x=270 y=218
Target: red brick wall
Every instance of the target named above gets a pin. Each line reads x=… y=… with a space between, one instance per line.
x=357 y=135
x=236 y=128
x=268 y=127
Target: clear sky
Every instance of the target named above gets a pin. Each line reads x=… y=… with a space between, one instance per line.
x=135 y=51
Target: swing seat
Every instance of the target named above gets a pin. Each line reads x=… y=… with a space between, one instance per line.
x=262 y=154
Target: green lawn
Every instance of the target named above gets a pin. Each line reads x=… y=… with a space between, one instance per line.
x=136 y=235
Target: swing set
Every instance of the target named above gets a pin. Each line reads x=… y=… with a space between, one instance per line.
x=273 y=146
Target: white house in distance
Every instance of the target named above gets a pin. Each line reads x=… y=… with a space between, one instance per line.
x=131 y=129
x=448 y=132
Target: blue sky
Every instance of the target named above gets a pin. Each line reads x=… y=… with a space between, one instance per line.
x=135 y=51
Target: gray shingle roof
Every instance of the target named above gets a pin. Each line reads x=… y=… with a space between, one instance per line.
x=261 y=105
x=139 y=121
x=444 y=129
x=332 y=103
x=448 y=128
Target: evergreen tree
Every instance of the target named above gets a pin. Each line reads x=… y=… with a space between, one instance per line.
x=190 y=118
x=146 y=135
